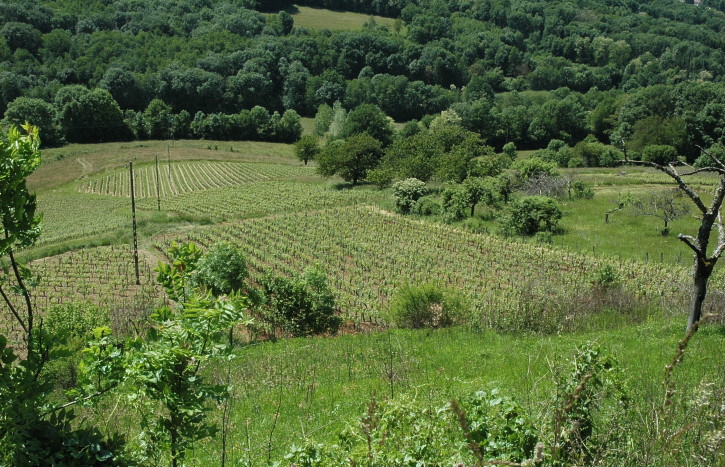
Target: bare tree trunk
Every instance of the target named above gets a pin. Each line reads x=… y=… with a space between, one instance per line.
x=701 y=274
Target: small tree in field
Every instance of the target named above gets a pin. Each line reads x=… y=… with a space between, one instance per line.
x=532 y=214
x=667 y=206
x=703 y=261
x=302 y=305
x=307 y=148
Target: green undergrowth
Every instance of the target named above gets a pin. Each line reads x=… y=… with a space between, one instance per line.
x=306 y=391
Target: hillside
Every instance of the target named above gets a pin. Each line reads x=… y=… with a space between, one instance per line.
x=364 y=232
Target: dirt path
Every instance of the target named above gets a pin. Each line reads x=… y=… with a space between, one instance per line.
x=85 y=165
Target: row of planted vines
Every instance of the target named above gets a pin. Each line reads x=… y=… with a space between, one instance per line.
x=261 y=199
x=185 y=177
x=368 y=253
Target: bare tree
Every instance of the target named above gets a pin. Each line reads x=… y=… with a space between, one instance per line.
x=703 y=264
x=546 y=185
x=667 y=205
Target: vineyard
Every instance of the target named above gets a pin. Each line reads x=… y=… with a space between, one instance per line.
x=260 y=199
x=368 y=253
x=68 y=215
x=185 y=177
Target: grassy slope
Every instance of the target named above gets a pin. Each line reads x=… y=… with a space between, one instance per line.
x=325 y=384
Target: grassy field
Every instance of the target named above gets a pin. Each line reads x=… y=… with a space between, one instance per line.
x=298 y=391
x=319 y=18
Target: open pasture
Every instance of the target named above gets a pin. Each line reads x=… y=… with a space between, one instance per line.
x=320 y=18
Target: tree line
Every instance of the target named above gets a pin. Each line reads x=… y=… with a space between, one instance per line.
x=519 y=71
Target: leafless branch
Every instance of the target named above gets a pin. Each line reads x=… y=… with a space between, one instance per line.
x=720 y=237
x=691 y=242
x=678 y=178
x=14 y=311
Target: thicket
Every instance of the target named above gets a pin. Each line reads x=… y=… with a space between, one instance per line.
x=522 y=72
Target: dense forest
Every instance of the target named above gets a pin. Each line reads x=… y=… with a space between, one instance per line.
x=515 y=71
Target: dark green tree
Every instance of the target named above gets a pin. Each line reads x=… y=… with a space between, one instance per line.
x=90 y=116
x=368 y=118
x=38 y=113
x=351 y=159
x=307 y=148
x=158 y=120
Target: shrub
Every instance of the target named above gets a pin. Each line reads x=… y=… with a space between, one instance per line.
x=527 y=168
x=499 y=426
x=706 y=160
x=660 y=154
x=606 y=277
x=610 y=157
x=301 y=305
x=510 y=150
x=585 y=387
x=67 y=327
x=407 y=192
x=456 y=202
x=427 y=206
x=581 y=190
x=222 y=270
x=532 y=214
x=426 y=306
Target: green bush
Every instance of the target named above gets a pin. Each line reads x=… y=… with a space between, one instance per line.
x=706 y=160
x=659 y=154
x=499 y=426
x=456 y=202
x=302 y=305
x=581 y=190
x=426 y=306
x=531 y=214
x=427 y=206
x=222 y=270
x=407 y=192
x=67 y=327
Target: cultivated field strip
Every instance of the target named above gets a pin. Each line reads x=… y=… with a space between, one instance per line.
x=185 y=177
x=260 y=199
x=368 y=253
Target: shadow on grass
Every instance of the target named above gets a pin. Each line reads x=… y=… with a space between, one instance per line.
x=341 y=186
x=275 y=6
